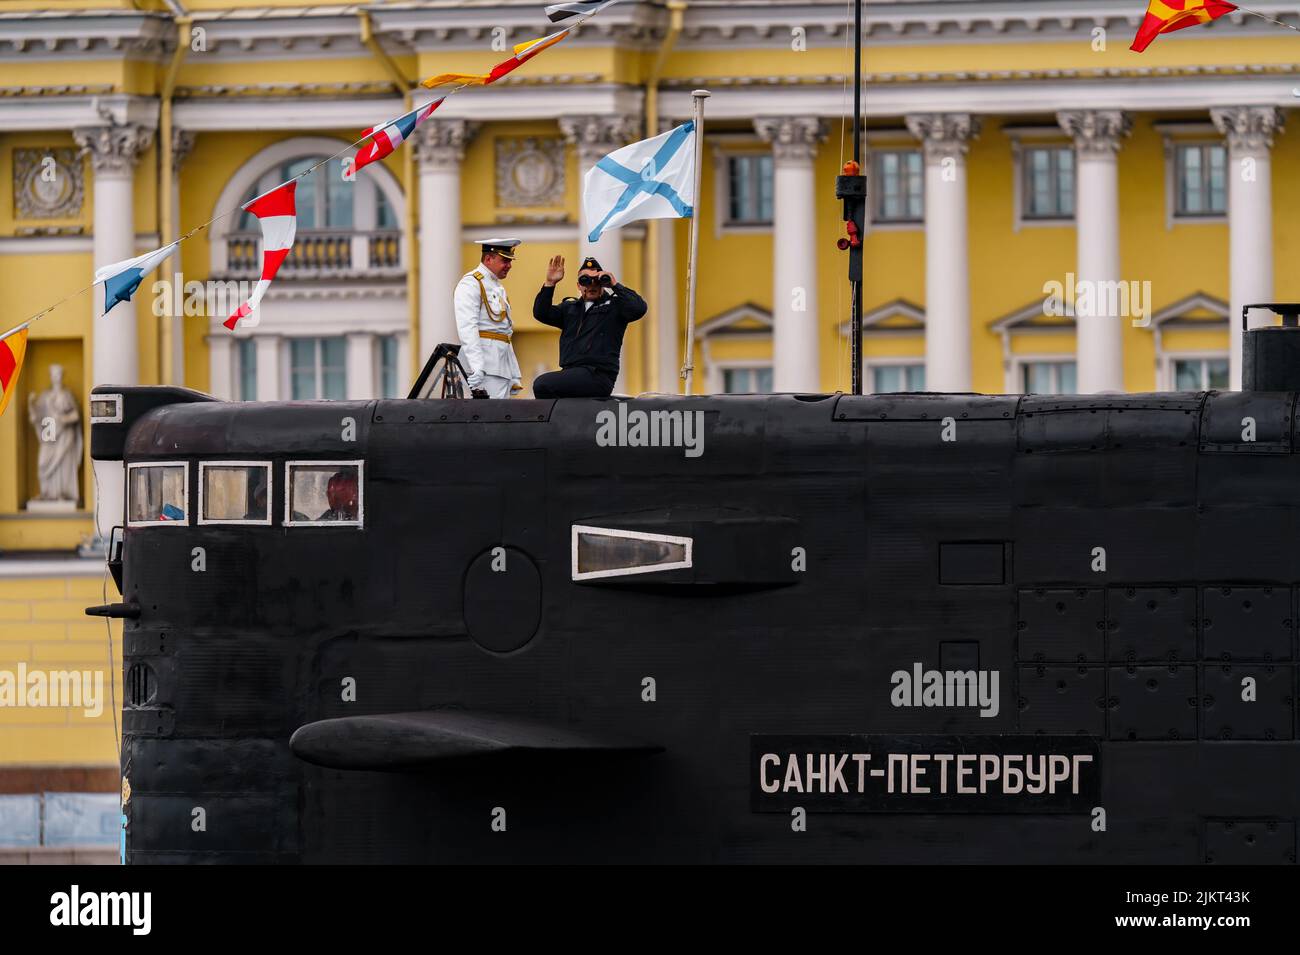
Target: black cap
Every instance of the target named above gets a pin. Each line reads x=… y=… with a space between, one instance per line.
x=590 y=263
x=502 y=247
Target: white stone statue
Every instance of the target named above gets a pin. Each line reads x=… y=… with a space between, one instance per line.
x=57 y=420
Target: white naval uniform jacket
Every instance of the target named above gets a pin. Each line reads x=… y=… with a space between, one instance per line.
x=482 y=306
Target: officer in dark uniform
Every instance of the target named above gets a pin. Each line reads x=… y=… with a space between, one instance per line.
x=591 y=330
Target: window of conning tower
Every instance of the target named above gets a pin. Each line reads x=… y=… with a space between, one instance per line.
x=608 y=552
x=234 y=492
x=158 y=493
x=324 y=493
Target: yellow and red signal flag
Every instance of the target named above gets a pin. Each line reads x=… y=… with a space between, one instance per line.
x=12 y=349
x=523 y=53
x=1166 y=16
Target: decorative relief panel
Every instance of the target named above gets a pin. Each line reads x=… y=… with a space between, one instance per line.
x=48 y=183
x=530 y=172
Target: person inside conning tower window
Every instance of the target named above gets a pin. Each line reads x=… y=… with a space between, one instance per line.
x=341 y=492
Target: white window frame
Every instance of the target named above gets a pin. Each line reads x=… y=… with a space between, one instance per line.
x=1030 y=137
x=577 y=529
x=1018 y=363
x=377 y=366
x=286 y=365
x=185 y=493
x=718 y=369
x=360 y=522
x=870 y=364
x=722 y=156
x=270 y=488
x=1020 y=154
x=1201 y=144
x=1177 y=134
x=238 y=345
x=873 y=187
x=115 y=418
x=1168 y=358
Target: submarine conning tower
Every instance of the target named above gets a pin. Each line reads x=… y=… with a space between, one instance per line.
x=1270 y=354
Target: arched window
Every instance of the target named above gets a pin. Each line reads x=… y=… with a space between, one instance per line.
x=345 y=226
x=385 y=216
x=336 y=322
x=324 y=199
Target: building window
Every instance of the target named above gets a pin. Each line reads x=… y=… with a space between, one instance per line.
x=1049 y=378
x=318 y=368
x=1200 y=374
x=322 y=200
x=747 y=381
x=1200 y=185
x=385 y=215
x=388 y=366
x=247 y=349
x=1048 y=176
x=899 y=185
x=892 y=378
x=749 y=189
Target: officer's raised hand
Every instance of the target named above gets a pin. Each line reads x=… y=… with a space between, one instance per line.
x=555 y=270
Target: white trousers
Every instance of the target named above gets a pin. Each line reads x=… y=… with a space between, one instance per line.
x=498 y=387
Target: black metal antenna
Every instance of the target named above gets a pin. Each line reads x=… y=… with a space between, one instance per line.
x=851 y=186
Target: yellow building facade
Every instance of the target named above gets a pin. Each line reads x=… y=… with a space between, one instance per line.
x=1047 y=212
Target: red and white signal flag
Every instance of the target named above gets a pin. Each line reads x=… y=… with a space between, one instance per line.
x=278 y=216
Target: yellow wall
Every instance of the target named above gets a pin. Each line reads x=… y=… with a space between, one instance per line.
x=1007 y=267
x=43 y=624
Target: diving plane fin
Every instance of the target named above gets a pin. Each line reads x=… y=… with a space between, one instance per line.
x=395 y=742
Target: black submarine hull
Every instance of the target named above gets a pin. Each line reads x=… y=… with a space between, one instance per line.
x=1062 y=628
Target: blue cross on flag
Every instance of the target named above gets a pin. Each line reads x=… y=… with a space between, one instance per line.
x=652 y=179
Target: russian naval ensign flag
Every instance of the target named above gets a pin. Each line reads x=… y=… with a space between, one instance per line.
x=652 y=179
x=278 y=216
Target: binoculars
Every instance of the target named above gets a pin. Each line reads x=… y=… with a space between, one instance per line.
x=588 y=280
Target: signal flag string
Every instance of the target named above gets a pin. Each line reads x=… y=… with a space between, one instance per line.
x=370 y=134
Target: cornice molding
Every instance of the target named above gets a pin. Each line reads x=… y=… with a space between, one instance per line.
x=406 y=28
x=984 y=76
x=51 y=34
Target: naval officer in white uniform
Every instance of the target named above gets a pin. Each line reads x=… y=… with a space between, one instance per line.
x=483 y=321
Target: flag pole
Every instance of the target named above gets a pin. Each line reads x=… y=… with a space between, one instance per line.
x=15 y=330
x=688 y=363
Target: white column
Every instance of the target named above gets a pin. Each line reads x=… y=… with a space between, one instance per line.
x=440 y=150
x=404 y=379
x=945 y=138
x=664 y=307
x=795 y=321
x=1099 y=334
x=268 y=367
x=1249 y=131
x=221 y=367
x=361 y=366
x=182 y=146
x=596 y=137
x=114 y=151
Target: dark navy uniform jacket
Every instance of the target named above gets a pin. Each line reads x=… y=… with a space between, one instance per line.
x=590 y=337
